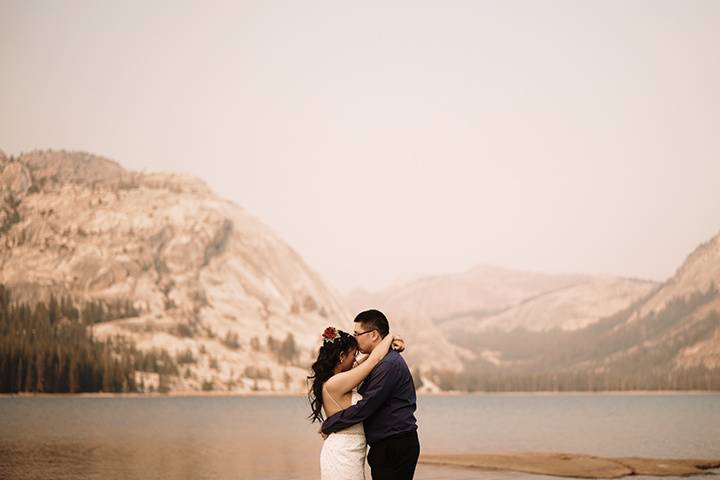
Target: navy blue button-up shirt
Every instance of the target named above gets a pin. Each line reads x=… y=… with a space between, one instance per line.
x=387 y=405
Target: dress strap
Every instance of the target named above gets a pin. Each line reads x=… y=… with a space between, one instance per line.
x=331 y=397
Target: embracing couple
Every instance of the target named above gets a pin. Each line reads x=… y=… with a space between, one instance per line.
x=379 y=413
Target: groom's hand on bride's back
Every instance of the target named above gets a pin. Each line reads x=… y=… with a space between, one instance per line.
x=323 y=435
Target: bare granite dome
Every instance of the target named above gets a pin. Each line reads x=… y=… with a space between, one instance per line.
x=198 y=268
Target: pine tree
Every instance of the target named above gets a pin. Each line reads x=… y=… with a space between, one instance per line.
x=73 y=377
x=19 y=385
x=53 y=310
x=29 y=383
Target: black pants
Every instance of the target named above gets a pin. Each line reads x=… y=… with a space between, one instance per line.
x=394 y=458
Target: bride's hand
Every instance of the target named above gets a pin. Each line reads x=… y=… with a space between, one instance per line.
x=398 y=344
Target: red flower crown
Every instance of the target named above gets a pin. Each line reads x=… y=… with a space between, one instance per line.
x=330 y=334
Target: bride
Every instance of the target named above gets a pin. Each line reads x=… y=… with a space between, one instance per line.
x=334 y=388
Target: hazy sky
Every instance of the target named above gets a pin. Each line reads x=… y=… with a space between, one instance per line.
x=394 y=137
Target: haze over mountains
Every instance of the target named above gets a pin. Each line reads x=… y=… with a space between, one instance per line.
x=492 y=298
x=197 y=268
x=240 y=310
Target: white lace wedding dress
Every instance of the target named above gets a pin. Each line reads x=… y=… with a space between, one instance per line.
x=343 y=454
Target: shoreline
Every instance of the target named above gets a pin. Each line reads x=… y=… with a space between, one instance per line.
x=575 y=465
x=192 y=393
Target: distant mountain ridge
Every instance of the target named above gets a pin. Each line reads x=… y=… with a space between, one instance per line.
x=486 y=291
x=567 y=308
x=577 y=333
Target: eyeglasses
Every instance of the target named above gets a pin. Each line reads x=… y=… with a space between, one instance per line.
x=356 y=334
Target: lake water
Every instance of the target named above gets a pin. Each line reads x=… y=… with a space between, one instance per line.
x=268 y=437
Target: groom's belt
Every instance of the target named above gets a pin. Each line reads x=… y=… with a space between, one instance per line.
x=397 y=436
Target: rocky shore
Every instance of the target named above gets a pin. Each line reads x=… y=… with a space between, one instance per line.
x=576 y=465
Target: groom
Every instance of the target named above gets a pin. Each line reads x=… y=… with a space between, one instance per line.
x=386 y=408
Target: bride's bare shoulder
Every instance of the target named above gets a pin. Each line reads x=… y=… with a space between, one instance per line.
x=331 y=385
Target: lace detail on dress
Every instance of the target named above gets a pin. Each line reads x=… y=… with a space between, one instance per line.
x=358 y=428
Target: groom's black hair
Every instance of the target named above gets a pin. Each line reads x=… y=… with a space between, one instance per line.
x=374 y=319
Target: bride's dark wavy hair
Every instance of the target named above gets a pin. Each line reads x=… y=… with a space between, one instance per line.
x=327 y=360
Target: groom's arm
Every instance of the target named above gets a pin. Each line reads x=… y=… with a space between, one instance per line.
x=378 y=390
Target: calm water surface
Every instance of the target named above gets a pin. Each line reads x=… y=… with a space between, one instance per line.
x=174 y=438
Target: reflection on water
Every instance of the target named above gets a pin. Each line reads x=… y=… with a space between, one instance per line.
x=146 y=459
x=269 y=437
x=173 y=438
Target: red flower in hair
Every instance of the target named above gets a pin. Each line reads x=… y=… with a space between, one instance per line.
x=330 y=334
